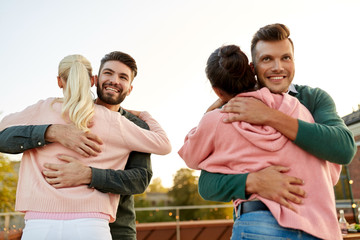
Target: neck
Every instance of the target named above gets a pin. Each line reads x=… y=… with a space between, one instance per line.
x=111 y=107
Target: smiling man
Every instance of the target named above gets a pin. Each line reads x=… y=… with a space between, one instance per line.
x=116 y=73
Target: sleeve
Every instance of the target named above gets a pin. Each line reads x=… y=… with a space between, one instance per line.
x=141 y=140
x=199 y=142
x=134 y=179
x=28 y=116
x=329 y=138
x=222 y=187
x=17 y=139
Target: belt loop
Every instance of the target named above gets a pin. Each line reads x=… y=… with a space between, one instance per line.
x=238 y=211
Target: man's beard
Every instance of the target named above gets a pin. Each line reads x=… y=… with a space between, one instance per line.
x=109 y=99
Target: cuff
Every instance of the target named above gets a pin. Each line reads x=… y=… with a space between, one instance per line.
x=98 y=178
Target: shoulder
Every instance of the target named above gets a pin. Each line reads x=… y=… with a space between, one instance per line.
x=213 y=117
x=307 y=90
x=135 y=119
x=313 y=98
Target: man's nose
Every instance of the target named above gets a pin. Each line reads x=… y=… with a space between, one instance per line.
x=115 y=79
x=278 y=66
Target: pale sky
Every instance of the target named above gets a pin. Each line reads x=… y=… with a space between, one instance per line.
x=171 y=41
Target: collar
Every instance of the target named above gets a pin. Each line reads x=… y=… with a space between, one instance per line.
x=292 y=90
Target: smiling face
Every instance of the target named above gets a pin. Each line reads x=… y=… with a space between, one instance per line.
x=274 y=64
x=113 y=84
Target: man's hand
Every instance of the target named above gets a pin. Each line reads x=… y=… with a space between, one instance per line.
x=248 y=109
x=70 y=174
x=271 y=183
x=254 y=111
x=86 y=144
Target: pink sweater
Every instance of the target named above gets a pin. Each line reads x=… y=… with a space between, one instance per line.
x=240 y=147
x=120 y=137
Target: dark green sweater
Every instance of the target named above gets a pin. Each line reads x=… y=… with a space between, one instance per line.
x=328 y=138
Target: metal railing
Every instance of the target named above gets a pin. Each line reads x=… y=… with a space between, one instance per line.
x=5 y=218
x=177 y=210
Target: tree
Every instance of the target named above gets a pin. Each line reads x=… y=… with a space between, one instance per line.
x=8 y=182
x=156 y=186
x=185 y=192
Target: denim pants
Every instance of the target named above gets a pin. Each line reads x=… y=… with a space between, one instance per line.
x=78 y=229
x=262 y=225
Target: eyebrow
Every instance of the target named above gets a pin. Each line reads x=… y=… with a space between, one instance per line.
x=107 y=69
x=110 y=70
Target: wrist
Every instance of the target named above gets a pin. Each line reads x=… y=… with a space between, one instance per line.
x=87 y=175
x=250 y=186
x=50 y=135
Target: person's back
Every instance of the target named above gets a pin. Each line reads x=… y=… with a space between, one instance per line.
x=240 y=147
x=120 y=137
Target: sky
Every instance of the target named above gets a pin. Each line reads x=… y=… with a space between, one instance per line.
x=171 y=42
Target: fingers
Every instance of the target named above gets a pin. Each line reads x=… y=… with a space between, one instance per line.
x=54 y=182
x=94 y=137
x=52 y=166
x=233 y=118
x=66 y=158
x=286 y=204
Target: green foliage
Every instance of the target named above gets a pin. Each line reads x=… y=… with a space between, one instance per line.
x=8 y=182
x=183 y=193
x=156 y=186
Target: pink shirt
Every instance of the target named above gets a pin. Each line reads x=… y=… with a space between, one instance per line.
x=240 y=147
x=120 y=137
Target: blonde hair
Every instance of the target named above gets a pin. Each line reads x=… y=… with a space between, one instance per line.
x=78 y=104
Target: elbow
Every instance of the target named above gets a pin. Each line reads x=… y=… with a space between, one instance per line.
x=143 y=183
x=166 y=148
x=349 y=154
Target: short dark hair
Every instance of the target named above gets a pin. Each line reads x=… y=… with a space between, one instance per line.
x=228 y=69
x=271 y=32
x=121 y=57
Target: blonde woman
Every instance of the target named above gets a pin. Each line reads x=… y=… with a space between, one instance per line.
x=78 y=212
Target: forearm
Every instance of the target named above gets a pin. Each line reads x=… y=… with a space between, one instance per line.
x=222 y=187
x=285 y=124
x=333 y=143
x=124 y=182
x=17 y=139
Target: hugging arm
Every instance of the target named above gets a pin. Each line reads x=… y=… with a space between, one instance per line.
x=17 y=139
x=133 y=180
x=315 y=138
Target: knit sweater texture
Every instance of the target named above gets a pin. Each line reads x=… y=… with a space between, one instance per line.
x=241 y=147
x=120 y=137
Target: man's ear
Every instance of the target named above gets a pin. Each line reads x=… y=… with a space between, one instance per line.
x=130 y=90
x=60 y=82
x=96 y=79
x=252 y=66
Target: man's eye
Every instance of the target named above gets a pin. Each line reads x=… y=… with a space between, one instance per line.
x=266 y=59
x=287 y=58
